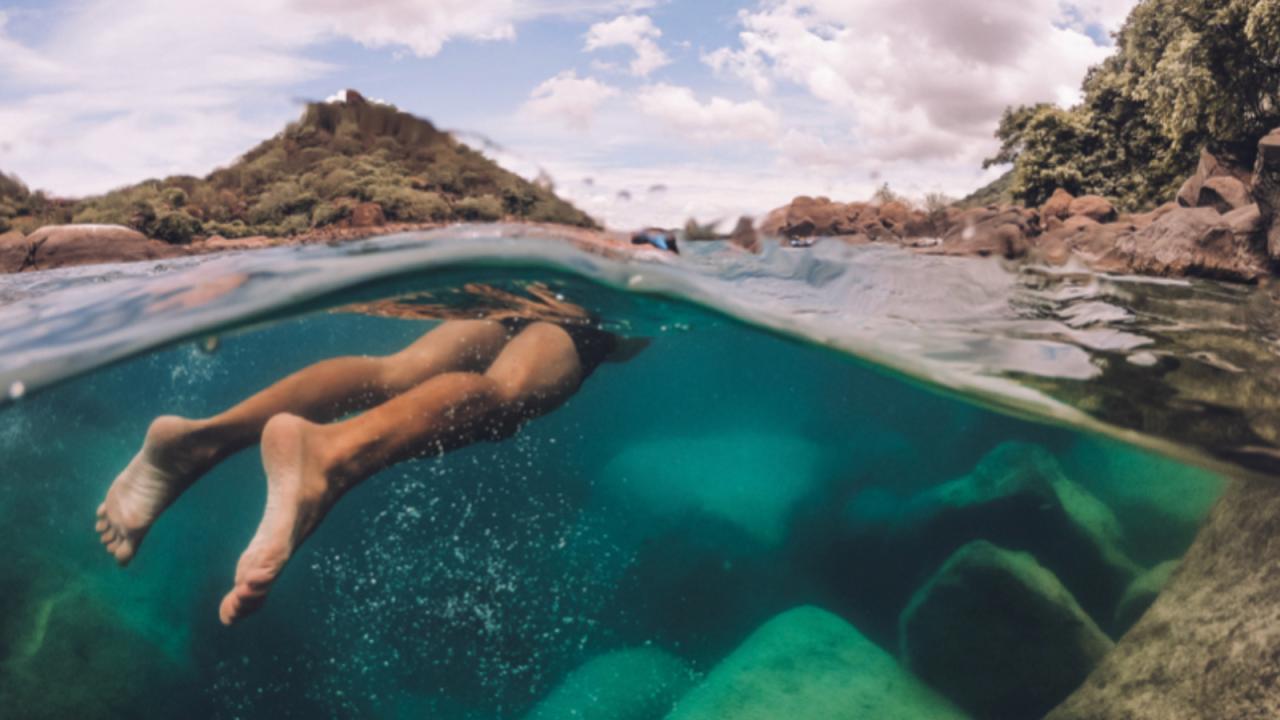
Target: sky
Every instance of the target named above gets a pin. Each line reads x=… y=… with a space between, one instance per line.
x=642 y=111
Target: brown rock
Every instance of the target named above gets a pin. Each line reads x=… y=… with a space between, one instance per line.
x=1142 y=220
x=1207 y=647
x=1094 y=207
x=1192 y=241
x=1208 y=167
x=1057 y=206
x=1075 y=222
x=56 y=246
x=985 y=232
x=1223 y=193
x=367 y=214
x=1245 y=222
x=895 y=214
x=1095 y=244
x=14 y=249
x=1266 y=189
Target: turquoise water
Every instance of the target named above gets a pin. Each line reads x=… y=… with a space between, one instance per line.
x=751 y=519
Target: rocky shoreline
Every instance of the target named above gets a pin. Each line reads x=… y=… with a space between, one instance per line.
x=1223 y=224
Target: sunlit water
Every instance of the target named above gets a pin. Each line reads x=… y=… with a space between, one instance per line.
x=741 y=522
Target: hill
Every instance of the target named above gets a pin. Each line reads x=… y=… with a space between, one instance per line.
x=339 y=159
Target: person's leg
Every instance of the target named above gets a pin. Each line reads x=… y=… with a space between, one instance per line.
x=310 y=466
x=177 y=451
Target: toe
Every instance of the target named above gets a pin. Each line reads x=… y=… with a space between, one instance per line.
x=229 y=608
x=107 y=536
x=101 y=525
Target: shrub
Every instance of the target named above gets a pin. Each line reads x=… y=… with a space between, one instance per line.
x=484 y=208
x=174 y=197
x=176 y=227
x=328 y=213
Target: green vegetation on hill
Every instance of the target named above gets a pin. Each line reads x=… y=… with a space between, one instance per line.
x=317 y=171
x=1186 y=74
x=23 y=210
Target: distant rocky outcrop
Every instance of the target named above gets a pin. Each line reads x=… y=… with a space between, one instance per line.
x=998 y=634
x=344 y=165
x=1223 y=224
x=1207 y=646
x=61 y=245
x=808 y=663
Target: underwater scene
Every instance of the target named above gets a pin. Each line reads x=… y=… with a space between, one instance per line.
x=828 y=483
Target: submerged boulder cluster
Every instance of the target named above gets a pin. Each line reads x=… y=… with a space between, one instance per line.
x=992 y=596
x=1223 y=224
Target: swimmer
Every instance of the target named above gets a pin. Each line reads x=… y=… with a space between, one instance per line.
x=330 y=426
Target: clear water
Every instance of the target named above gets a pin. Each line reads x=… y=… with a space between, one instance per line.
x=733 y=524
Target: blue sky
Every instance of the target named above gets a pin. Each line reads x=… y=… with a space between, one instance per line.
x=732 y=106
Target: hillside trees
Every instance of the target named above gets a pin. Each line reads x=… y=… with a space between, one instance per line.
x=1186 y=74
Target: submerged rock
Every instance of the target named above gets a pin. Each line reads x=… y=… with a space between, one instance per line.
x=1207 y=647
x=1017 y=497
x=997 y=633
x=632 y=684
x=1141 y=594
x=752 y=480
x=808 y=664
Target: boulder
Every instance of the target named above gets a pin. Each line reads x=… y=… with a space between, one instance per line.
x=1193 y=241
x=1141 y=594
x=633 y=684
x=1017 y=497
x=1141 y=220
x=1000 y=232
x=55 y=246
x=894 y=214
x=1245 y=222
x=1094 y=207
x=367 y=214
x=1208 y=167
x=999 y=635
x=1223 y=193
x=807 y=664
x=13 y=251
x=1092 y=242
x=751 y=480
x=1057 y=207
x=1266 y=189
x=1206 y=648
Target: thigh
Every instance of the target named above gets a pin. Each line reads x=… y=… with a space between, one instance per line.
x=452 y=346
x=538 y=369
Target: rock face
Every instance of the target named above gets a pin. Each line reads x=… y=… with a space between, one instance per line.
x=1016 y=497
x=1193 y=241
x=1141 y=594
x=1266 y=189
x=999 y=635
x=1224 y=194
x=1207 y=647
x=634 y=684
x=808 y=664
x=55 y=246
x=1094 y=207
x=989 y=232
x=1208 y=168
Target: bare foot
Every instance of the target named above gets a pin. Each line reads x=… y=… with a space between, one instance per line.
x=300 y=492
x=169 y=461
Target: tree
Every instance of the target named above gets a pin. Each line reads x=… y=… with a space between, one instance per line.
x=1186 y=74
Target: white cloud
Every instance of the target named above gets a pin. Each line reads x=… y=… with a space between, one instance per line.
x=115 y=91
x=570 y=98
x=918 y=79
x=717 y=119
x=636 y=32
